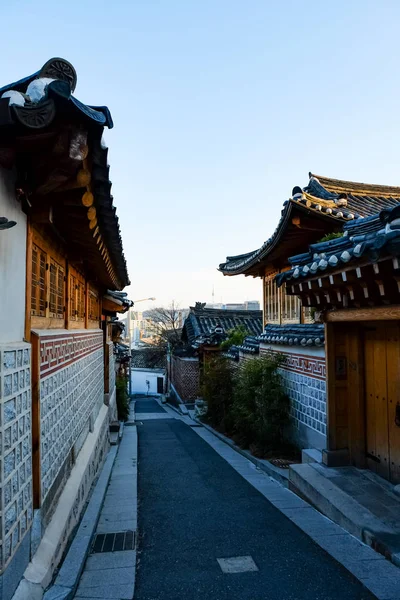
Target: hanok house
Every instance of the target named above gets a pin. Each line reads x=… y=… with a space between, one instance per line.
x=323 y=207
x=203 y=331
x=61 y=263
x=354 y=282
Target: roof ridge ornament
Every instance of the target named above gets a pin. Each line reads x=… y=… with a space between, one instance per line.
x=59 y=68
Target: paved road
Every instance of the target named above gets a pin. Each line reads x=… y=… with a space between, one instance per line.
x=195 y=508
x=148 y=405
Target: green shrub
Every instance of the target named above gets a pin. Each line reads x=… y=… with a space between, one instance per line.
x=334 y=235
x=235 y=337
x=260 y=408
x=121 y=384
x=217 y=391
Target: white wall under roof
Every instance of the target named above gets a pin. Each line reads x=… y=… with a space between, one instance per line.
x=140 y=378
x=12 y=263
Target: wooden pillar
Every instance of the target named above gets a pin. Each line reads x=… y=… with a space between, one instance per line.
x=28 y=282
x=67 y=297
x=86 y=304
x=330 y=385
x=36 y=463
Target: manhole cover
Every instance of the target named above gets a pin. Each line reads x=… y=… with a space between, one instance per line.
x=114 y=542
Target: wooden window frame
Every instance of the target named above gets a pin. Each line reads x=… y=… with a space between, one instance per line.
x=93 y=299
x=287 y=309
x=76 y=299
x=51 y=319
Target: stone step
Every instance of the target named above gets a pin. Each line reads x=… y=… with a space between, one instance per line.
x=309 y=482
x=311 y=455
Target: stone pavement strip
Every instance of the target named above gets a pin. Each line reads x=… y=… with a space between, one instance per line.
x=111 y=575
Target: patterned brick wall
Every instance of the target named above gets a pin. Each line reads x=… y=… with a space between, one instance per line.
x=71 y=392
x=304 y=379
x=16 y=471
x=95 y=462
x=111 y=358
x=185 y=377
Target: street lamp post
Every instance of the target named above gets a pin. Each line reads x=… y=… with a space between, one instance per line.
x=130 y=342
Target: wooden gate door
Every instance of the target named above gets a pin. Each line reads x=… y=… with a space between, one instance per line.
x=382 y=391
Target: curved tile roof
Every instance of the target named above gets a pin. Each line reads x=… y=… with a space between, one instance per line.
x=201 y=322
x=43 y=95
x=364 y=198
x=370 y=238
x=312 y=334
x=334 y=199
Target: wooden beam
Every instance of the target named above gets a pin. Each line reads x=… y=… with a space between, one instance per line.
x=376 y=313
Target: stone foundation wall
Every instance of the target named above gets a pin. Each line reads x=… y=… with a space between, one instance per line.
x=304 y=379
x=111 y=367
x=71 y=395
x=16 y=444
x=185 y=377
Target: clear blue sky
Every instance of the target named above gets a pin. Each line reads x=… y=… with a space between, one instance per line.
x=220 y=108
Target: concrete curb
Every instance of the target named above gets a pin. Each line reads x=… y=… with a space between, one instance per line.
x=281 y=475
x=68 y=577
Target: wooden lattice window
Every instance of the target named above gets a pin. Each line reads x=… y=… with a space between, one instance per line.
x=56 y=296
x=38 y=289
x=94 y=308
x=272 y=301
x=291 y=308
x=73 y=297
x=76 y=297
x=80 y=302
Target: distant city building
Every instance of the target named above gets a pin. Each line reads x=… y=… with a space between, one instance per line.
x=248 y=305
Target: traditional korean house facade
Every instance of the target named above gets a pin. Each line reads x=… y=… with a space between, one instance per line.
x=323 y=207
x=61 y=269
x=203 y=331
x=354 y=283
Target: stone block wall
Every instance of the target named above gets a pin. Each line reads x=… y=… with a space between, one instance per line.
x=304 y=380
x=71 y=395
x=112 y=371
x=185 y=377
x=16 y=444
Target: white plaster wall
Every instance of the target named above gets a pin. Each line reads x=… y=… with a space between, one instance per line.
x=12 y=263
x=317 y=351
x=139 y=378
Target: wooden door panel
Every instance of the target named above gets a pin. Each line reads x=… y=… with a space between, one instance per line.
x=381 y=403
x=376 y=400
x=393 y=385
x=369 y=338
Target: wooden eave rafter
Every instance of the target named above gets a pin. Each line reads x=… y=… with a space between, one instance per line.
x=357 y=285
x=61 y=188
x=302 y=227
x=112 y=305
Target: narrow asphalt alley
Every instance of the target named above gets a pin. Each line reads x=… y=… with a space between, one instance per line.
x=194 y=509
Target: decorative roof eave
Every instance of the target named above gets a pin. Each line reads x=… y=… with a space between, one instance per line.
x=304 y=334
x=45 y=113
x=116 y=302
x=378 y=237
x=366 y=273
x=249 y=263
x=339 y=186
